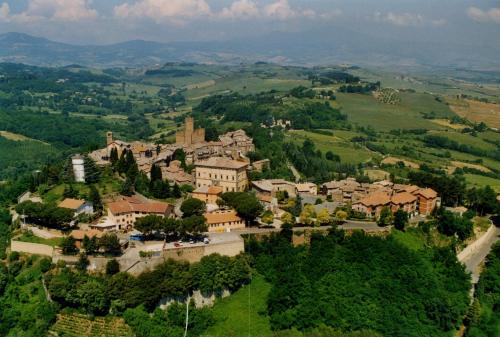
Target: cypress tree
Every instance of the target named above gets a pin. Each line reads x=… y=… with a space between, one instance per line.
x=176 y=192
x=92 y=172
x=113 y=157
x=95 y=198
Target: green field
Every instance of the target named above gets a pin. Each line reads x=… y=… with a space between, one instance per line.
x=240 y=314
x=348 y=152
x=478 y=181
x=411 y=238
x=108 y=185
x=25 y=237
x=21 y=156
x=464 y=138
x=365 y=110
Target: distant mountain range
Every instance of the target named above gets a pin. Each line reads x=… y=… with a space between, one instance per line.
x=303 y=48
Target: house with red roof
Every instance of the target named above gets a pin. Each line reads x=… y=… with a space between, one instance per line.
x=124 y=213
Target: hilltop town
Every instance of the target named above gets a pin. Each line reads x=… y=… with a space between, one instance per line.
x=211 y=188
x=126 y=204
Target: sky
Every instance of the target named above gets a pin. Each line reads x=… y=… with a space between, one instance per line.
x=109 y=21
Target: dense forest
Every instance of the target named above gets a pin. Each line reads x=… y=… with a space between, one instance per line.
x=27 y=312
x=266 y=107
x=362 y=282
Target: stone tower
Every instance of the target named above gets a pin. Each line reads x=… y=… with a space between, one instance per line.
x=109 y=138
x=188 y=131
x=189 y=135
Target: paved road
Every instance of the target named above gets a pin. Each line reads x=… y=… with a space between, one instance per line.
x=473 y=261
x=295 y=173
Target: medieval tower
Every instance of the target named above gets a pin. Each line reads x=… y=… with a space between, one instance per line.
x=190 y=135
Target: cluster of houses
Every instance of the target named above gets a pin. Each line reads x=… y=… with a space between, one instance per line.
x=371 y=198
x=218 y=175
x=366 y=198
x=234 y=145
x=222 y=166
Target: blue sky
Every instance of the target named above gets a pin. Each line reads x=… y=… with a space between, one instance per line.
x=107 y=21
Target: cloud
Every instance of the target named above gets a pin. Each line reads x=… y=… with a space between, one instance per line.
x=331 y=14
x=159 y=10
x=240 y=9
x=477 y=14
x=402 y=19
x=280 y=10
x=55 y=10
x=439 y=22
x=4 y=11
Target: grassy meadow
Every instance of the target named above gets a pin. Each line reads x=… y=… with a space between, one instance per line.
x=240 y=314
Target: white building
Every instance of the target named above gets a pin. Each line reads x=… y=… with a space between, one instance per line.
x=78 y=168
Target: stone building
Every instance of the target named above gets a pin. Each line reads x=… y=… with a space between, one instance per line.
x=190 y=135
x=230 y=175
x=270 y=187
x=208 y=195
x=224 y=221
x=125 y=212
x=427 y=200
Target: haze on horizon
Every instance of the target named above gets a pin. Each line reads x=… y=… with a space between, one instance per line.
x=467 y=22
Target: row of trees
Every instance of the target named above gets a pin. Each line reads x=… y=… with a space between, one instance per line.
x=446 y=143
x=108 y=244
x=99 y=294
x=47 y=215
x=453 y=191
x=173 y=228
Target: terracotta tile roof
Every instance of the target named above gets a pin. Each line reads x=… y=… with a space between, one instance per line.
x=212 y=190
x=403 y=198
x=71 y=203
x=427 y=193
x=219 y=162
x=80 y=234
x=376 y=199
x=305 y=187
x=221 y=217
x=129 y=206
x=411 y=188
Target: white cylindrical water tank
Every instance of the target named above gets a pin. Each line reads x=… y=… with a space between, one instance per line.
x=78 y=169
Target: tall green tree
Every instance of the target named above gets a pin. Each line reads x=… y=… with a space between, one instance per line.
x=95 y=199
x=92 y=172
x=113 y=156
x=385 y=218
x=193 y=206
x=400 y=220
